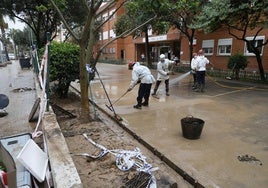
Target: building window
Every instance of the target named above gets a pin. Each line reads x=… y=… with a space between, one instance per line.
x=150 y=30
x=99 y=19
x=225 y=46
x=105 y=35
x=105 y=17
x=258 y=42
x=111 y=12
x=208 y=47
x=112 y=34
x=104 y=50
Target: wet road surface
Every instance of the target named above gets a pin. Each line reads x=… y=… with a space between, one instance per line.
x=235 y=116
x=236 y=124
x=18 y=85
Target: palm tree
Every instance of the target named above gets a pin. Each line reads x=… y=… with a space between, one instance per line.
x=3 y=26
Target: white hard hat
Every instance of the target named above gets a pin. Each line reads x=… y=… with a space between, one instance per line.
x=162 y=56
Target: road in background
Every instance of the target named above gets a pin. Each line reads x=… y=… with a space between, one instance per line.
x=18 y=85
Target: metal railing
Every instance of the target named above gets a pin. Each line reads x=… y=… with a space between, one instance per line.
x=251 y=76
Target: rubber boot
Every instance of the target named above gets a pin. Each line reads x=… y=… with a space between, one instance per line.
x=202 y=86
x=145 y=103
x=154 y=93
x=198 y=87
x=138 y=106
x=167 y=94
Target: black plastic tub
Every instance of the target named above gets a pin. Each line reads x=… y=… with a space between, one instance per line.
x=192 y=127
x=25 y=63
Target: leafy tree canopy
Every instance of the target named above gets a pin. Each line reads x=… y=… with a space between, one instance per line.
x=41 y=17
x=239 y=17
x=236 y=14
x=139 y=11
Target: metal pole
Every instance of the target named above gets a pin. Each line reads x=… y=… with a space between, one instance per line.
x=1 y=52
x=48 y=62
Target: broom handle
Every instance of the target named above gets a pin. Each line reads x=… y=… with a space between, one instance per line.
x=119 y=98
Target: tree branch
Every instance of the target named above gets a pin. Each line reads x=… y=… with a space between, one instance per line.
x=125 y=34
x=64 y=21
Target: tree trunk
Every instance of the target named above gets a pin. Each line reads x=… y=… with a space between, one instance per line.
x=83 y=85
x=147 y=50
x=4 y=41
x=259 y=61
x=255 y=50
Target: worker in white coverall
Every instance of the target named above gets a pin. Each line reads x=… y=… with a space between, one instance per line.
x=193 y=70
x=141 y=74
x=163 y=73
x=201 y=63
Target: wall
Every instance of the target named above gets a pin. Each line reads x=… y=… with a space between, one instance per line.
x=220 y=62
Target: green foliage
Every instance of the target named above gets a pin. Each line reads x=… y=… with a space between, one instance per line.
x=64 y=66
x=232 y=13
x=236 y=62
x=38 y=15
x=21 y=38
x=138 y=12
x=240 y=17
x=2 y=166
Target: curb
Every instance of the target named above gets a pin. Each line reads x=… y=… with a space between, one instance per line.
x=63 y=170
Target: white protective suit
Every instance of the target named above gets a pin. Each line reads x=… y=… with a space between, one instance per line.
x=141 y=73
x=163 y=69
x=201 y=61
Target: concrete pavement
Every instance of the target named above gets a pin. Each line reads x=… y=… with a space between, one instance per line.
x=19 y=86
x=233 y=148
x=22 y=88
x=235 y=116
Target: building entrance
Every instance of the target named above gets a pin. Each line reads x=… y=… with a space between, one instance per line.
x=157 y=50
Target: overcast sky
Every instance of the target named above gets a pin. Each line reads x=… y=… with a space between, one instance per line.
x=16 y=25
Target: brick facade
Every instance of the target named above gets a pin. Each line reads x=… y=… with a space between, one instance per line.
x=220 y=61
x=175 y=44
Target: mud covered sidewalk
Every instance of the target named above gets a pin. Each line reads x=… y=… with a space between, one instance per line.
x=103 y=171
x=232 y=150
x=235 y=115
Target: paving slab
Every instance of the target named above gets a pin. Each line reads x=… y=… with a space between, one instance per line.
x=20 y=87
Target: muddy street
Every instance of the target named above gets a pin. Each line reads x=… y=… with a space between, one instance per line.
x=231 y=152
x=235 y=116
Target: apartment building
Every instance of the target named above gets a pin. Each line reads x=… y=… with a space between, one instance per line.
x=218 y=46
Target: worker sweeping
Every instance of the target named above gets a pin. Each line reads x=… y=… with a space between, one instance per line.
x=141 y=74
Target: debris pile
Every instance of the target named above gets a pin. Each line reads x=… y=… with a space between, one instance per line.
x=126 y=160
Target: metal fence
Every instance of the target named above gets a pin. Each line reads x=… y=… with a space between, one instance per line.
x=252 y=76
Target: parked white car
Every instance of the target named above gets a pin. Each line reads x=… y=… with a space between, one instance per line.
x=11 y=56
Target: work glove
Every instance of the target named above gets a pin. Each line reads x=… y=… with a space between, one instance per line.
x=129 y=89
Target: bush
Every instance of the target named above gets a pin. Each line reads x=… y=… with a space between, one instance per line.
x=237 y=62
x=63 y=67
